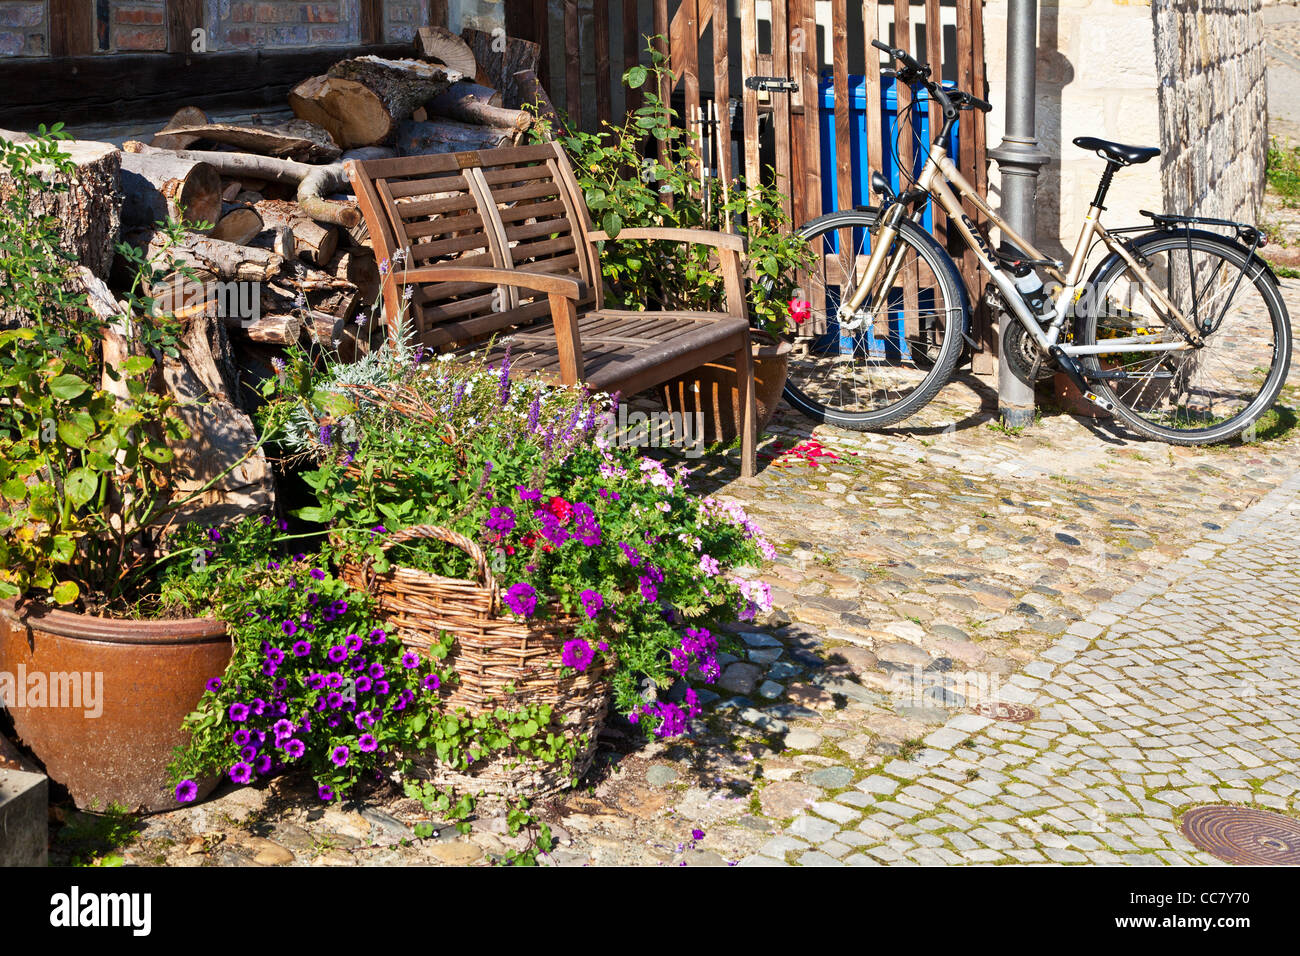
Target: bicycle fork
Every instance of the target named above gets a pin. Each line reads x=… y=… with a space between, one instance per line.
x=883 y=242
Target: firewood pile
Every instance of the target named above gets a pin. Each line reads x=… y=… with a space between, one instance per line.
x=274 y=243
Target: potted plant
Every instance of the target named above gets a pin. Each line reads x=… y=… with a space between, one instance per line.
x=99 y=675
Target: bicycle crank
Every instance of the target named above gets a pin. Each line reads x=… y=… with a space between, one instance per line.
x=1075 y=374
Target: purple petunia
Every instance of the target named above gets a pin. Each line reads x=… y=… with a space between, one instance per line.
x=501 y=520
x=337 y=654
x=352 y=643
x=241 y=737
x=317 y=573
x=431 y=682
x=238 y=712
x=214 y=684
x=521 y=598
x=186 y=791
x=339 y=755
x=577 y=654
x=367 y=743
x=592 y=602
x=241 y=772
x=301 y=648
x=290 y=628
x=410 y=660
x=295 y=748
x=377 y=636
x=325 y=793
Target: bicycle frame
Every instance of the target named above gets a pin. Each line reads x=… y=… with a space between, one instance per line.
x=938 y=178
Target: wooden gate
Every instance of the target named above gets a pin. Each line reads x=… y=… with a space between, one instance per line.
x=716 y=46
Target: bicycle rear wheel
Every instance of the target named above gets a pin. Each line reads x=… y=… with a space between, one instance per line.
x=871 y=371
x=1201 y=395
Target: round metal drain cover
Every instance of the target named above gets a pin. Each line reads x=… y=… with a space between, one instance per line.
x=1001 y=710
x=1244 y=834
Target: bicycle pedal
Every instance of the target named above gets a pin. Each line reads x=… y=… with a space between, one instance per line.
x=1099 y=401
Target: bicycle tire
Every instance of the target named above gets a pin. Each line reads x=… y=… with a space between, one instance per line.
x=1197 y=376
x=931 y=361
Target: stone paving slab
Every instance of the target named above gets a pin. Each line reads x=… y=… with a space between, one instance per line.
x=1209 y=648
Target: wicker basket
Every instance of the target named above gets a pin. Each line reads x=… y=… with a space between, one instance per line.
x=489 y=653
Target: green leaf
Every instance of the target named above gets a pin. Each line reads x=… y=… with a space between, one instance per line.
x=65 y=592
x=80 y=486
x=15 y=489
x=75 y=432
x=635 y=78
x=8 y=590
x=137 y=364
x=612 y=224
x=67 y=387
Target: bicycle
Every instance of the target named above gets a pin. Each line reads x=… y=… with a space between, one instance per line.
x=1150 y=336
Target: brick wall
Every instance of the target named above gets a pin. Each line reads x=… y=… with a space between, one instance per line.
x=24 y=28
x=141 y=25
x=1213 y=106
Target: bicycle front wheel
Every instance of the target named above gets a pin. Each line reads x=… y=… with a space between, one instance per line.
x=1200 y=395
x=877 y=367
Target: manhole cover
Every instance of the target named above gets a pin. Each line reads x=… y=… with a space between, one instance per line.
x=1244 y=835
x=1001 y=710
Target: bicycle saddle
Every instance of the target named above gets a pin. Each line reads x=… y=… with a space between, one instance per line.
x=1118 y=152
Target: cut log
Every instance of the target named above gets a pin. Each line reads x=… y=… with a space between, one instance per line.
x=183 y=117
x=204 y=379
x=240 y=225
x=443 y=46
x=311 y=241
x=313 y=182
x=90 y=211
x=230 y=190
x=471 y=103
x=268 y=329
x=358 y=267
x=498 y=64
x=448 y=136
x=160 y=185
x=210 y=257
x=298 y=139
x=361 y=101
x=535 y=96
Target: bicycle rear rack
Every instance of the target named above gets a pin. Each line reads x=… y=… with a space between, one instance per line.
x=1247 y=234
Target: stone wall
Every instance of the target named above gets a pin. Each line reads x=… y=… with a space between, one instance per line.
x=1096 y=77
x=24 y=28
x=1213 y=106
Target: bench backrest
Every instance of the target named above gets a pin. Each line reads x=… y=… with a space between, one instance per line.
x=512 y=208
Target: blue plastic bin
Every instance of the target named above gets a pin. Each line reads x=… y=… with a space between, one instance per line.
x=892 y=348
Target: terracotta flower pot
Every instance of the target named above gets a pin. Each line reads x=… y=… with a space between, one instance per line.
x=711 y=390
x=118 y=719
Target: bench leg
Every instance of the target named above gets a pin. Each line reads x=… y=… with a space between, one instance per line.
x=748 y=410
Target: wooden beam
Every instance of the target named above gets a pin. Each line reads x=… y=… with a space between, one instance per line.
x=632 y=44
x=372 y=21
x=871 y=28
x=690 y=60
x=72 y=27
x=843 y=123
x=665 y=90
x=722 y=71
x=145 y=86
x=781 y=103
x=437 y=13
x=934 y=54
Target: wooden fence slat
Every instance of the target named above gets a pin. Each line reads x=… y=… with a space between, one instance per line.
x=604 y=105
x=749 y=67
x=438 y=13
x=722 y=71
x=934 y=52
x=812 y=104
x=665 y=84
x=982 y=324
x=632 y=43
x=72 y=27
x=690 y=60
x=542 y=27
x=572 y=64
x=906 y=166
x=843 y=123
x=781 y=103
x=871 y=29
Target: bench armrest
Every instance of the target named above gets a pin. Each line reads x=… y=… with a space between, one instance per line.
x=702 y=237
x=519 y=278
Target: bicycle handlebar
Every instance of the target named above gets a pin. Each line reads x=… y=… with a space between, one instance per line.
x=915 y=72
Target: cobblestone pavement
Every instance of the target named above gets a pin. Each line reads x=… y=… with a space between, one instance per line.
x=1282 y=43
x=921 y=572
x=1178 y=692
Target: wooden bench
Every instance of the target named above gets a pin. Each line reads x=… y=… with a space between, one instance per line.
x=497 y=245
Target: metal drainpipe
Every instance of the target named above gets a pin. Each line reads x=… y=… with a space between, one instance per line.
x=1019 y=159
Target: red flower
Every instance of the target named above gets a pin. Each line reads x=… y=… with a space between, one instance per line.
x=562 y=510
x=800 y=310
x=528 y=540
